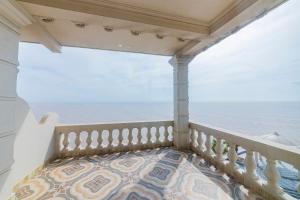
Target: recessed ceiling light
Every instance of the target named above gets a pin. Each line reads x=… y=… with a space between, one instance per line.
x=160 y=36
x=108 y=28
x=135 y=33
x=180 y=39
x=120 y=45
x=80 y=24
x=47 y=19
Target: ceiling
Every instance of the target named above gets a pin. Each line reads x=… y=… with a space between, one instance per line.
x=158 y=27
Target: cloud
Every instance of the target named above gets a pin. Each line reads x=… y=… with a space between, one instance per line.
x=92 y=76
x=260 y=62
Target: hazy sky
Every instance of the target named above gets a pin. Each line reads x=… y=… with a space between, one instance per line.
x=259 y=63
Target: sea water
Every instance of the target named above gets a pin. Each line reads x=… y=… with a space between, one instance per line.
x=251 y=118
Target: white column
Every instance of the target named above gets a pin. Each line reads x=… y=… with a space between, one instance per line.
x=181 y=101
x=9 y=42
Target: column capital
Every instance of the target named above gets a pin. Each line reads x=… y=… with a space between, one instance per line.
x=176 y=61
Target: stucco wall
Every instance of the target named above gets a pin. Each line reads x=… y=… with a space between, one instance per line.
x=25 y=143
x=9 y=41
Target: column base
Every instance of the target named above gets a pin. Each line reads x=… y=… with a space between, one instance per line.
x=181 y=140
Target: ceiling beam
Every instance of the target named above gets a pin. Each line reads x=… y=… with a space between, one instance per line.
x=45 y=37
x=126 y=12
x=17 y=17
x=184 y=50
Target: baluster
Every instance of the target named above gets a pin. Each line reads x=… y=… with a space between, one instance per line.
x=208 y=145
x=89 y=143
x=232 y=156
x=58 y=140
x=110 y=140
x=148 y=137
x=171 y=134
x=100 y=140
x=273 y=177
x=130 y=138
x=219 y=150
x=65 y=144
x=250 y=165
x=157 y=135
x=165 y=140
x=120 y=144
x=193 y=138
x=139 y=137
x=200 y=141
x=77 y=144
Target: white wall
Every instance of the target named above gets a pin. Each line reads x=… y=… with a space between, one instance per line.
x=25 y=143
x=9 y=41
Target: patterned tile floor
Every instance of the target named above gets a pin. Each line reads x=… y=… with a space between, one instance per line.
x=152 y=174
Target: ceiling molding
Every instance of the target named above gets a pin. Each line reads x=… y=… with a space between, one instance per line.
x=14 y=14
x=184 y=50
x=126 y=12
x=254 y=12
x=229 y=14
x=233 y=18
x=16 y=17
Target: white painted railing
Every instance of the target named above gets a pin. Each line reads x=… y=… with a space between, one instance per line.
x=202 y=142
x=88 y=139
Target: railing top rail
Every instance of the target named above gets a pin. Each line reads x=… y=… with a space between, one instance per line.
x=268 y=149
x=114 y=125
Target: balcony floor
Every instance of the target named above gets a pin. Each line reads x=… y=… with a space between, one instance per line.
x=151 y=174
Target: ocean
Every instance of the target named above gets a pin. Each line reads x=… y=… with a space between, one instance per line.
x=250 y=118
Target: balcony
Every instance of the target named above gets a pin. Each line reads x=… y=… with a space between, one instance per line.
x=174 y=159
x=138 y=161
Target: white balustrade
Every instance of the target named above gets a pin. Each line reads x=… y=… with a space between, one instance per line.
x=99 y=140
x=74 y=133
x=200 y=142
x=65 y=143
x=77 y=144
x=232 y=157
x=273 y=152
x=130 y=137
x=208 y=145
x=165 y=136
x=157 y=135
x=219 y=150
x=89 y=143
x=273 y=177
x=149 y=142
x=139 y=137
x=250 y=165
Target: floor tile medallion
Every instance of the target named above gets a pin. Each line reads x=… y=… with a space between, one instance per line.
x=156 y=174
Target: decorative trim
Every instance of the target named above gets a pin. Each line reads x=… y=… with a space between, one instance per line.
x=6 y=169
x=15 y=17
x=7 y=64
x=7 y=134
x=187 y=47
x=127 y=12
x=4 y=98
x=237 y=15
x=253 y=12
x=9 y=26
x=15 y=14
x=229 y=14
